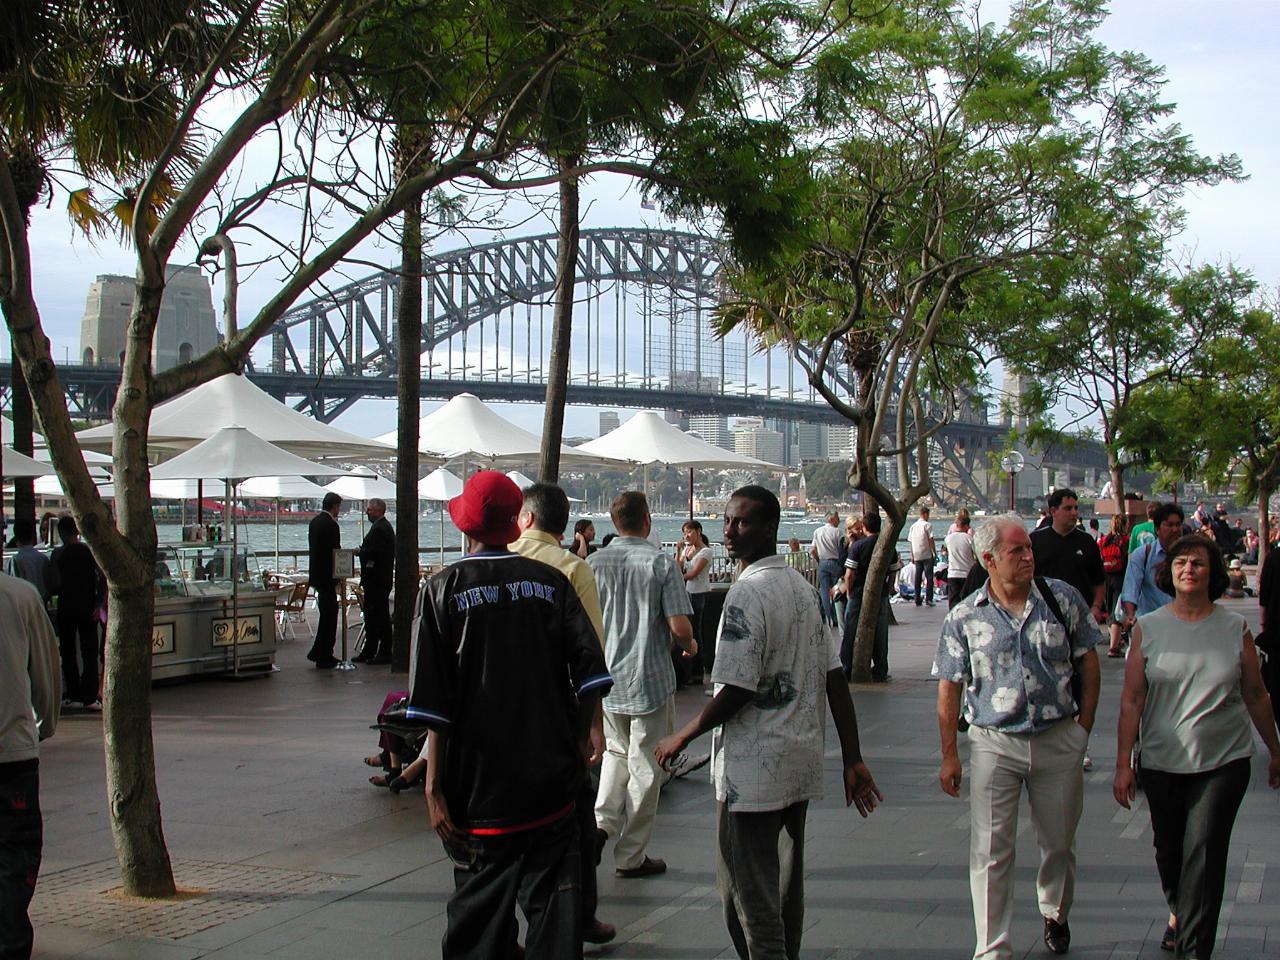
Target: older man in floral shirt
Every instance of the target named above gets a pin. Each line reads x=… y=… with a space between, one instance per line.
x=1011 y=651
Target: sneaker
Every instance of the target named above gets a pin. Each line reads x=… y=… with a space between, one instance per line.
x=1088 y=762
x=598 y=932
x=96 y=705
x=682 y=764
x=68 y=704
x=1057 y=936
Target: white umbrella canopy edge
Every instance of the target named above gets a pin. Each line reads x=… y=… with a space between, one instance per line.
x=14 y=464
x=363 y=488
x=187 y=419
x=235 y=453
x=647 y=438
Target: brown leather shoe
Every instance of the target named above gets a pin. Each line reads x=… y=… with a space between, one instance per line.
x=649 y=867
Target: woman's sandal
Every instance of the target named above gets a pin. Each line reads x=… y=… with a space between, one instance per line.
x=400 y=783
x=387 y=779
x=375 y=761
x=1170 y=939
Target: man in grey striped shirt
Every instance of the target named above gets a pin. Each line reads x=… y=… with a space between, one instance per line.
x=645 y=607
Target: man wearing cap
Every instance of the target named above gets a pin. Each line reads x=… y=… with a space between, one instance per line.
x=324 y=537
x=507 y=673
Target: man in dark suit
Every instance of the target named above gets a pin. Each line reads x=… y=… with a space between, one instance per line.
x=324 y=537
x=377 y=568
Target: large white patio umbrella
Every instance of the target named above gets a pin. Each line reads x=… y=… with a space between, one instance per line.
x=465 y=429
x=443 y=486
x=647 y=439
x=181 y=423
x=234 y=454
x=14 y=464
x=363 y=488
x=522 y=481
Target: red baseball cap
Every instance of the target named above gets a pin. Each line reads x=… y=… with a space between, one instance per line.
x=487 y=508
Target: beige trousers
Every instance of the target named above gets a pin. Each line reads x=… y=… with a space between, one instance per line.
x=630 y=780
x=1048 y=765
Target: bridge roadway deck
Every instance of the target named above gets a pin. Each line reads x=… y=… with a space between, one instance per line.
x=268 y=810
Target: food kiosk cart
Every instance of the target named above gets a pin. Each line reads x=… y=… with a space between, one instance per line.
x=213 y=613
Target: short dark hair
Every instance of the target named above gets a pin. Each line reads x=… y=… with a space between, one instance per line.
x=770 y=509
x=330 y=501
x=24 y=532
x=580 y=525
x=872 y=522
x=628 y=511
x=549 y=505
x=1218 y=579
x=1062 y=493
x=1152 y=507
x=608 y=539
x=1165 y=511
x=67 y=527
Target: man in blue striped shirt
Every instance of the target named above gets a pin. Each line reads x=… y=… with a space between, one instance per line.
x=1140 y=595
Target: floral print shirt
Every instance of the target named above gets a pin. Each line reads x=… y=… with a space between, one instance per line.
x=1016 y=670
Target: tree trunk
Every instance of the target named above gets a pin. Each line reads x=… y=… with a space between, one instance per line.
x=562 y=327
x=1117 y=487
x=882 y=557
x=24 y=494
x=130 y=751
x=408 y=393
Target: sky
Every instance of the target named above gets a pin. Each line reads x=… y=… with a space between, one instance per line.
x=1222 y=63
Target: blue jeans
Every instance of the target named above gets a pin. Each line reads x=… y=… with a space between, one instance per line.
x=829 y=572
x=880 y=649
x=924 y=571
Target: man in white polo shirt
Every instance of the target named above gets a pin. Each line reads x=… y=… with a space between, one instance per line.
x=825 y=548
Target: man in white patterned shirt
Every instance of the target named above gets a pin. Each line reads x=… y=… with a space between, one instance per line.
x=645 y=607
x=776 y=671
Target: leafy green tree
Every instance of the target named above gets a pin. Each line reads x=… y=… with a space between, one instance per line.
x=1220 y=419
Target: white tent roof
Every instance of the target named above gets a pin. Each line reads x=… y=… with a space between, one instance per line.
x=234 y=453
x=466 y=427
x=15 y=464
x=282 y=488
x=41 y=447
x=647 y=438
x=439 y=484
x=519 y=479
x=363 y=488
x=198 y=414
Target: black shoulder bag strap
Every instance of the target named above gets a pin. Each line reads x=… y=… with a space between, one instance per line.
x=1050 y=601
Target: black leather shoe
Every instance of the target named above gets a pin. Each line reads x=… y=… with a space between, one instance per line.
x=1057 y=936
x=598 y=932
x=327 y=664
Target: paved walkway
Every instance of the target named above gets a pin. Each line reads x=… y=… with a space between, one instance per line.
x=286 y=850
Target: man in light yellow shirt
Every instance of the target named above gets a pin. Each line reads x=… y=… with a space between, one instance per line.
x=542 y=523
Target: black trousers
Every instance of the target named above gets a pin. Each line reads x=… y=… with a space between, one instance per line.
x=585 y=814
x=954 y=586
x=21 y=840
x=377 y=622
x=326 y=623
x=1191 y=816
x=924 y=572
x=539 y=870
x=79 y=636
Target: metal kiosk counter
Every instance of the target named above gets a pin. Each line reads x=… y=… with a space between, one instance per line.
x=194 y=631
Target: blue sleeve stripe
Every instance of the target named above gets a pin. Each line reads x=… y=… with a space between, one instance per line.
x=600 y=680
x=417 y=713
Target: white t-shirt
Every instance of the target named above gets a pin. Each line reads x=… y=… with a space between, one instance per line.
x=772 y=641
x=702 y=582
x=826 y=541
x=921 y=539
x=960 y=555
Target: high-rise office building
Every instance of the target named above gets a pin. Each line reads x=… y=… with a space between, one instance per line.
x=609 y=421
x=811 y=441
x=712 y=429
x=759 y=442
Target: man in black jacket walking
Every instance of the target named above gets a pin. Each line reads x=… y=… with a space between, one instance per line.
x=377 y=568
x=324 y=537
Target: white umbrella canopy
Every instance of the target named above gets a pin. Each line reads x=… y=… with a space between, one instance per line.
x=466 y=428
x=184 y=421
x=647 y=438
x=519 y=479
x=363 y=488
x=14 y=464
x=282 y=488
x=439 y=484
x=235 y=454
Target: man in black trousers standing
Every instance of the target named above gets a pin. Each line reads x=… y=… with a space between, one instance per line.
x=377 y=568
x=324 y=537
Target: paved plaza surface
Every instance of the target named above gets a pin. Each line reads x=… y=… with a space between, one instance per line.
x=285 y=850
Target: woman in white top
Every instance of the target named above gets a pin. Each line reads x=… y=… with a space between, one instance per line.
x=1192 y=685
x=694 y=561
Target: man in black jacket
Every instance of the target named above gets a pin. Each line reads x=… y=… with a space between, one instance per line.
x=377 y=568
x=324 y=537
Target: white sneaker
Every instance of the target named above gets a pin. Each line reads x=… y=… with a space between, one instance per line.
x=68 y=704
x=682 y=764
x=95 y=706
x=1088 y=762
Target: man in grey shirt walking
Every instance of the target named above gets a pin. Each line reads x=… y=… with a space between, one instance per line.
x=645 y=607
x=29 y=697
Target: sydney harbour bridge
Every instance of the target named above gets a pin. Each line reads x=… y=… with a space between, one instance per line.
x=642 y=337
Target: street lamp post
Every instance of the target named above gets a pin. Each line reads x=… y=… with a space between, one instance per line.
x=1012 y=463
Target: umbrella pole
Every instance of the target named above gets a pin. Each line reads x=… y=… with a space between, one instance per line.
x=235 y=584
x=277 y=534
x=442 y=535
x=691 y=493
